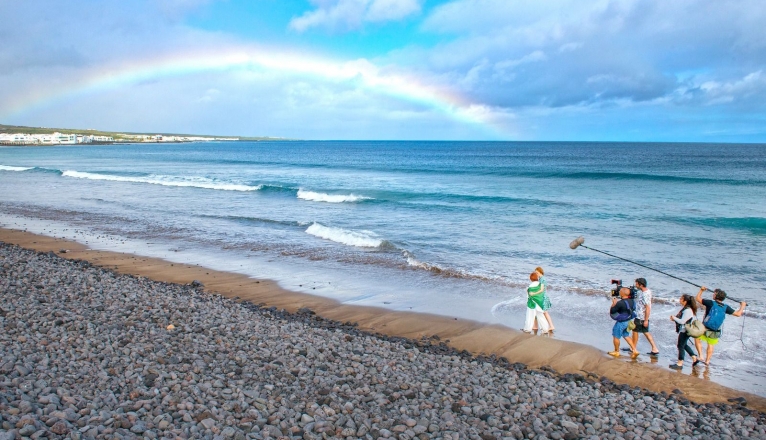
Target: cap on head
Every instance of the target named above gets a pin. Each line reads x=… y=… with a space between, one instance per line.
x=641 y=281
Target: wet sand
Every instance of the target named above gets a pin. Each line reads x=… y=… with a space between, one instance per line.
x=477 y=338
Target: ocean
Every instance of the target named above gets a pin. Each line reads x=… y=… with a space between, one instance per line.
x=451 y=228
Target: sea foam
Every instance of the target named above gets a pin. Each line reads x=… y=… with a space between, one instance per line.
x=351 y=238
x=330 y=198
x=195 y=182
x=10 y=168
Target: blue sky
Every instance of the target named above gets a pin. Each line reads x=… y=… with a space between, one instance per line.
x=607 y=70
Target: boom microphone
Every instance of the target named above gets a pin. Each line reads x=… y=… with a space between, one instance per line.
x=578 y=242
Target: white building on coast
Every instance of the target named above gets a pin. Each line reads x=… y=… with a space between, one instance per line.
x=72 y=139
x=50 y=139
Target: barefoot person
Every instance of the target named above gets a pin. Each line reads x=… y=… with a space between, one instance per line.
x=643 y=311
x=535 y=299
x=546 y=300
x=715 y=313
x=622 y=311
x=685 y=315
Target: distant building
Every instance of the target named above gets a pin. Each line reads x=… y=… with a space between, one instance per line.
x=16 y=139
x=64 y=139
x=72 y=139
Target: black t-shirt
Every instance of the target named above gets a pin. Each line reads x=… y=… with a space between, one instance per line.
x=708 y=303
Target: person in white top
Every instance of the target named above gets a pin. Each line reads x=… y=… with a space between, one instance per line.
x=643 y=310
x=685 y=315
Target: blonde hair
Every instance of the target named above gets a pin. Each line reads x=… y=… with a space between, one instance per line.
x=540 y=269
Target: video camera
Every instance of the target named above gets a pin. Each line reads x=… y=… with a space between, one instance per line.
x=615 y=291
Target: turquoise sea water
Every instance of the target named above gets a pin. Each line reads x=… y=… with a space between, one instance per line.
x=452 y=228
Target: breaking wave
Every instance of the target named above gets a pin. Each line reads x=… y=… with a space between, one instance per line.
x=330 y=198
x=10 y=168
x=365 y=239
x=194 y=182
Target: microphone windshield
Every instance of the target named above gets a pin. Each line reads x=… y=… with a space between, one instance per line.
x=577 y=242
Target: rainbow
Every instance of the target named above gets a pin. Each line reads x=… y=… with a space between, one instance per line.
x=361 y=73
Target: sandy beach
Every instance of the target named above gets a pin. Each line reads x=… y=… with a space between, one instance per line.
x=476 y=338
x=93 y=348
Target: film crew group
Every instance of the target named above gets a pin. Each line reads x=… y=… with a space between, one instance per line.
x=631 y=309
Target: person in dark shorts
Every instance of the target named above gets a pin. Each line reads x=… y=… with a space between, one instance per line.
x=711 y=336
x=643 y=311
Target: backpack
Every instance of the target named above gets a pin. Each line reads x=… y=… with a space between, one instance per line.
x=714 y=319
x=695 y=328
x=622 y=317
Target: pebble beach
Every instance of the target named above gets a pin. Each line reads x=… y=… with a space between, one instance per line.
x=91 y=353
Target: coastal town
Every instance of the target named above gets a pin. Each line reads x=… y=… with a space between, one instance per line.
x=57 y=138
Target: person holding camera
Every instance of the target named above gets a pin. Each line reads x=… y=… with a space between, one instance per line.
x=715 y=313
x=643 y=311
x=622 y=311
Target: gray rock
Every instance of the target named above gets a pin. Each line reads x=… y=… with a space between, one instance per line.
x=252 y=372
x=138 y=428
x=27 y=430
x=574 y=427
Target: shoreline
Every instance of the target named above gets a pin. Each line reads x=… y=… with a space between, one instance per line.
x=476 y=338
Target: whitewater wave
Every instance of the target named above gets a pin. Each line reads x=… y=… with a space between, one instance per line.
x=413 y=262
x=10 y=168
x=330 y=198
x=446 y=271
x=195 y=182
x=365 y=239
x=508 y=305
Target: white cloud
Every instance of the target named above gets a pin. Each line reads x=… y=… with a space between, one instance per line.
x=351 y=14
x=752 y=85
x=514 y=63
x=569 y=52
x=389 y=10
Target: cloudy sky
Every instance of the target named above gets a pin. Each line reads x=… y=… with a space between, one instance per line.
x=602 y=70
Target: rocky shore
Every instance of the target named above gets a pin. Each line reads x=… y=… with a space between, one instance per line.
x=89 y=353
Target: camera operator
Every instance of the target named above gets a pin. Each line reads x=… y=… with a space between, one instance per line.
x=622 y=311
x=643 y=311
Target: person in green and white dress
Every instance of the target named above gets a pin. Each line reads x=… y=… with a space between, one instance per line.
x=535 y=302
x=546 y=301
